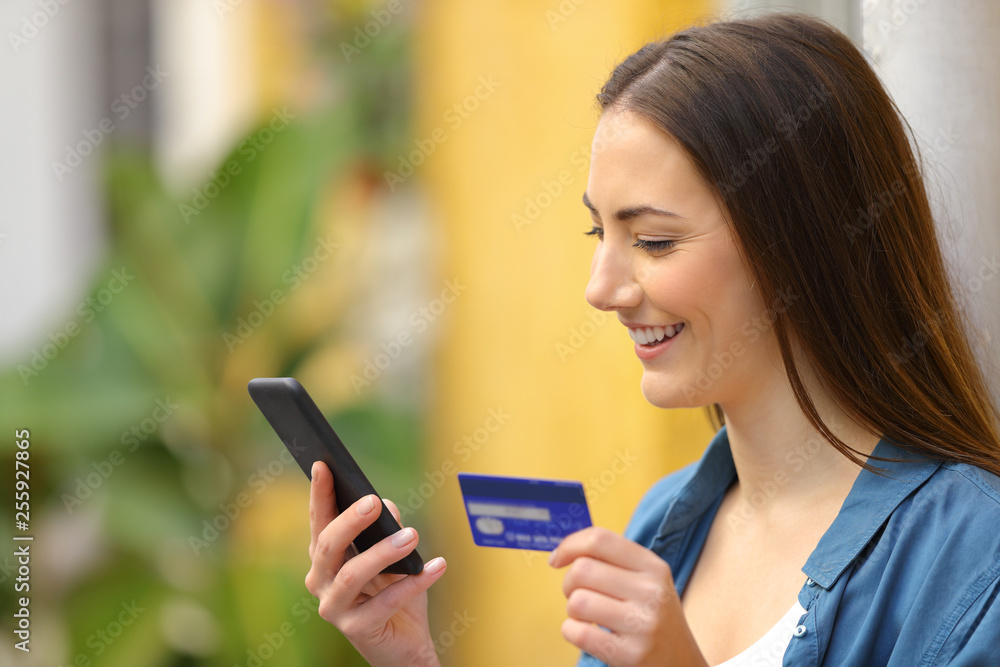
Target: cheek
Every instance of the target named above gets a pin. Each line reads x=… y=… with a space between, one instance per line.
x=714 y=297
x=686 y=287
x=735 y=294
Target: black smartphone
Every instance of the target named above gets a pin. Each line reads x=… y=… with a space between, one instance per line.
x=309 y=437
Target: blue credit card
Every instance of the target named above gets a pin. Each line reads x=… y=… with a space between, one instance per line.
x=522 y=512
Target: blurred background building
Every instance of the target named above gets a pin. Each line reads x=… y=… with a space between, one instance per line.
x=381 y=199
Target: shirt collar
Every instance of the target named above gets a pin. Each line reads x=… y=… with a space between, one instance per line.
x=712 y=475
x=868 y=505
x=872 y=499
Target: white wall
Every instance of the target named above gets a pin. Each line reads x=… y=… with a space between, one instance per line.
x=941 y=63
x=51 y=232
x=845 y=14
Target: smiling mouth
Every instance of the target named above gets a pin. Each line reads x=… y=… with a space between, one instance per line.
x=650 y=336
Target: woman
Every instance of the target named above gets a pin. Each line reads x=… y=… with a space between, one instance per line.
x=764 y=233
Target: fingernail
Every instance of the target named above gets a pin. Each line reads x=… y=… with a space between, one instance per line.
x=403 y=537
x=552 y=557
x=434 y=566
x=312 y=473
x=366 y=506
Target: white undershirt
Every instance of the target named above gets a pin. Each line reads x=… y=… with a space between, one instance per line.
x=769 y=650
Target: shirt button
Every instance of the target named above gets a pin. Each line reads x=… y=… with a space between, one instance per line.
x=800 y=630
x=810 y=582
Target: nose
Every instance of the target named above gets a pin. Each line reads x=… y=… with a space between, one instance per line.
x=612 y=284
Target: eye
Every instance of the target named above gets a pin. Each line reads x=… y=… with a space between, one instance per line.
x=653 y=246
x=596 y=231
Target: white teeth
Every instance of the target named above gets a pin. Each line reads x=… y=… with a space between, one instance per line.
x=654 y=334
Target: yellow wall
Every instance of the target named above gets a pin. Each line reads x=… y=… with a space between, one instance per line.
x=571 y=415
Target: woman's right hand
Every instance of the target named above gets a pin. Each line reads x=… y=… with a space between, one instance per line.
x=383 y=615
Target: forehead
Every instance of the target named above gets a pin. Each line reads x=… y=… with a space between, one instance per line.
x=635 y=162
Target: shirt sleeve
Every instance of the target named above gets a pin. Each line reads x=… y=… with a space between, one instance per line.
x=587 y=660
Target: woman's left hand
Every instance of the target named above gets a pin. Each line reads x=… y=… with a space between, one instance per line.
x=628 y=589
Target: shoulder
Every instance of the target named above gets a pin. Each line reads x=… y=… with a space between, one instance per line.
x=981 y=486
x=958 y=497
x=951 y=520
x=655 y=503
x=938 y=560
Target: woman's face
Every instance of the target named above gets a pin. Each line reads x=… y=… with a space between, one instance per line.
x=665 y=258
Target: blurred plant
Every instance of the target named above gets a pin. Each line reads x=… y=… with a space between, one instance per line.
x=143 y=437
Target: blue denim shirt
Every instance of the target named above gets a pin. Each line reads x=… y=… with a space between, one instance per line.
x=907 y=575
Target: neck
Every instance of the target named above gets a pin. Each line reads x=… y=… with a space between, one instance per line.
x=785 y=467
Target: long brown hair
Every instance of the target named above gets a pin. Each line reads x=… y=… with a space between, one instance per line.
x=813 y=163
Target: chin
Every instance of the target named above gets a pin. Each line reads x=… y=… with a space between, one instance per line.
x=666 y=393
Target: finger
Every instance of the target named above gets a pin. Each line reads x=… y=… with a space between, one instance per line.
x=379 y=609
x=587 y=637
x=590 y=606
x=364 y=567
x=603 y=544
x=322 y=504
x=394 y=511
x=603 y=577
x=333 y=546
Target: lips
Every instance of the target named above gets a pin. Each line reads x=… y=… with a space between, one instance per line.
x=655 y=334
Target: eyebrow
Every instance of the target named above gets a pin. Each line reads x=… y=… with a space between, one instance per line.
x=630 y=212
